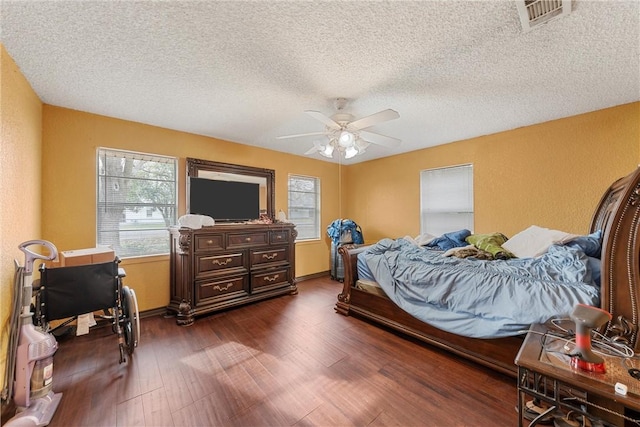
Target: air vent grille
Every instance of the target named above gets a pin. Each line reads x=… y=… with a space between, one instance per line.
x=536 y=12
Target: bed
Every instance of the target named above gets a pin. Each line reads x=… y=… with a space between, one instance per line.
x=617 y=216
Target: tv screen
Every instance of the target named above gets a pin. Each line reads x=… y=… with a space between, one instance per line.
x=224 y=200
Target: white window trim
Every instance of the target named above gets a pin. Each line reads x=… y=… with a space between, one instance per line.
x=318 y=206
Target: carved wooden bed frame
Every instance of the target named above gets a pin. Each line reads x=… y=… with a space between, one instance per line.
x=617 y=215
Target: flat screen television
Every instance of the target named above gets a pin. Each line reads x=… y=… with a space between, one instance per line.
x=225 y=201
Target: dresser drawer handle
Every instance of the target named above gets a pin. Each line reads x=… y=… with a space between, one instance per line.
x=279 y=237
x=248 y=239
x=218 y=262
x=217 y=287
x=272 y=256
x=271 y=279
x=209 y=242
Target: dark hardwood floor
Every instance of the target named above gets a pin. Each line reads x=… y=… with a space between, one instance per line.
x=282 y=362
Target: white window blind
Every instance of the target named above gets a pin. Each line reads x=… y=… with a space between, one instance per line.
x=304 y=206
x=136 y=201
x=446 y=199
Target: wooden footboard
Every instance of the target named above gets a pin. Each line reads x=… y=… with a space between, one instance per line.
x=350 y=258
x=498 y=354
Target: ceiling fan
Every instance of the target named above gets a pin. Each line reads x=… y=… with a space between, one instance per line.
x=347 y=135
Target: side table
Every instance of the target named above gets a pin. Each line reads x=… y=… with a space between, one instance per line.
x=545 y=373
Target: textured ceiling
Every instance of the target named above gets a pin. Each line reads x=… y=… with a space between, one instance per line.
x=245 y=71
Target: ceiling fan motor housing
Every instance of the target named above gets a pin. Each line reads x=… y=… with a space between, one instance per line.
x=343 y=119
x=346 y=135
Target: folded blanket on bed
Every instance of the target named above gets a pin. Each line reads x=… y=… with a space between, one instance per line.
x=469 y=251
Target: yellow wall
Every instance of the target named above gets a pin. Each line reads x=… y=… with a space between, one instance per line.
x=20 y=153
x=70 y=140
x=551 y=174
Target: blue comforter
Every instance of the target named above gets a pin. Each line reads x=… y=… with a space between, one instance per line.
x=481 y=299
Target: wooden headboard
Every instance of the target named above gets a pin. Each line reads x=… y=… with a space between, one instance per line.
x=618 y=216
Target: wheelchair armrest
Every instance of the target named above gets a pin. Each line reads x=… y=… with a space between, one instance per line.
x=121 y=272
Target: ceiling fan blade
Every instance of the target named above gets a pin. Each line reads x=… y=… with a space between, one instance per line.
x=324 y=119
x=376 y=138
x=312 y=150
x=381 y=116
x=301 y=135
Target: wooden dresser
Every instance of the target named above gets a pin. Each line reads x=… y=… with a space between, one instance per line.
x=226 y=265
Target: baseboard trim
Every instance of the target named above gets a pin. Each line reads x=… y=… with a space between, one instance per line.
x=312 y=276
x=160 y=311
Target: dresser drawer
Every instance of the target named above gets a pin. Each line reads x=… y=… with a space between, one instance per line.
x=226 y=265
x=242 y=240
x=267 y=256
x=222 y=288
x=208 y=242
x=213 y=263
x=268 y=279
x=278 y=236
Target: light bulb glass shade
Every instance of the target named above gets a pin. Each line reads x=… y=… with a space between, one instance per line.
x=346 y=139
x=350 y=152
x=361 y=145
x=327 y=150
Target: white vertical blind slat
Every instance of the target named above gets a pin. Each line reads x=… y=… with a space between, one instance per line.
x=446 y=199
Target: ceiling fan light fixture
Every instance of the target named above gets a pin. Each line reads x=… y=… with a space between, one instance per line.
x=346 y=139
x=350 y=152
x=361 y=145
x=347 y=136
x=326 y=150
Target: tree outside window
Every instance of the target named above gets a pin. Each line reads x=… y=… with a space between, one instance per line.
x=136 y=202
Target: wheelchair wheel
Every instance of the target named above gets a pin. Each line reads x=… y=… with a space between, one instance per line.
x=130 y=323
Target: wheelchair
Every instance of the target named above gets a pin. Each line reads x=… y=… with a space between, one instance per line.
x=64 y=293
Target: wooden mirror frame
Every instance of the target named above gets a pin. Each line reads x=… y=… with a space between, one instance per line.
x=195 y=166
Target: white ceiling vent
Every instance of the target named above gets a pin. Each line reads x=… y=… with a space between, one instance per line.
x=536 y=12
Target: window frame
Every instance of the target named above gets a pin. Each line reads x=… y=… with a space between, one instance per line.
x=318 y=212
x=104 y=175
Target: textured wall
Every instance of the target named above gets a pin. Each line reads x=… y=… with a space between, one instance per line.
x=20 y=152
x=551 y=174
x=69 y=146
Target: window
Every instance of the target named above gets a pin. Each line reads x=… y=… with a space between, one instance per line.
x=136 y=202
x=304 y=206
x=446 y=199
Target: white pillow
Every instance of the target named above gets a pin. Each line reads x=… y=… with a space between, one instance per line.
x=534 y=241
